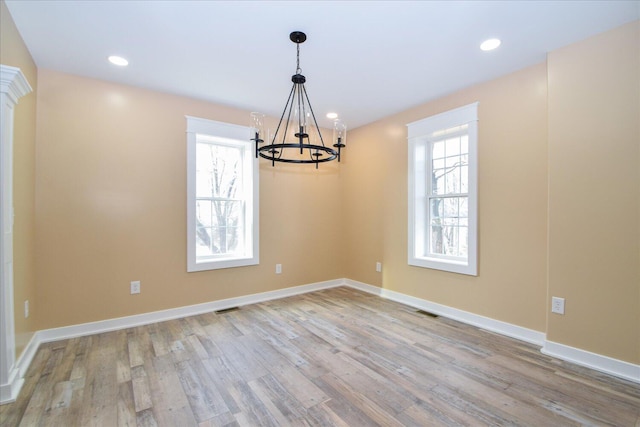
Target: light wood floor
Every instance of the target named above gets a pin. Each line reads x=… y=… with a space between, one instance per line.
x=334 y=357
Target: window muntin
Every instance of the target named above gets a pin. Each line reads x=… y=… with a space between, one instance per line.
x=443 y=191
x=222 y=196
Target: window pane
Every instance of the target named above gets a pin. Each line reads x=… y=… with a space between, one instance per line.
x=438 y=150
x=229 y=221
x=464 y=179
x=219 y=227
x=437 y=208
x=218 y=171
x=452 y=182
x=449 y=226
x=438 y=181
x=452 y=147
x=463 y=241
x=464 y=207
x=437 y=240
x=452 y=161
x=464 y=144
x=451 y=207
x=203 y=242
x=450 y=240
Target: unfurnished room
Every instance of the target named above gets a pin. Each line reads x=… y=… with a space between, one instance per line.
x=320 y=213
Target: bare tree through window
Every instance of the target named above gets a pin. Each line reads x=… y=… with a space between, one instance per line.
x=219 y=208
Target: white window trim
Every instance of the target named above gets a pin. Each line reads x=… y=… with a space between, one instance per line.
x=418 y=141
x=196 y=126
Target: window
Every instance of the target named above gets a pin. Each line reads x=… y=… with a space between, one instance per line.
x=222 y=196
x=443 y=209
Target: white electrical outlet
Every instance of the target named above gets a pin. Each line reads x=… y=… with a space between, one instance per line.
x=378 y=267
x=26 y=309
x=557 y=305
x=135 y=287
x=278 y=268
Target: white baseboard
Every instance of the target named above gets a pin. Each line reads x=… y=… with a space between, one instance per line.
x=9 y=390
x=608 y=365
x=598 y=362
x=83 y=329
x=502 y=328
x=601 y=363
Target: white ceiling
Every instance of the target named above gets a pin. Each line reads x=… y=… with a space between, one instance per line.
x=363 y=59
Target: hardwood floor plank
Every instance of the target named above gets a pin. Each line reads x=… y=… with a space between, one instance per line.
x=146 y=419
x=123 y=358
x=349 y=409
x=196 y=346
x=126 y=409
x=135 y=352
x=336 y=357
x=253 y=411
x=170 y=403
x=196 y=392
x=140 y=387
x=99 y=407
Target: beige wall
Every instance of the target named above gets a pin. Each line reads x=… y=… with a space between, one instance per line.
x=13 y=52
x=579 y=185
x=111 y=198
x=594 y=193
x=511 y=285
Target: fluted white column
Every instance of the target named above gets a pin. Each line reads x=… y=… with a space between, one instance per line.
x=13 y=86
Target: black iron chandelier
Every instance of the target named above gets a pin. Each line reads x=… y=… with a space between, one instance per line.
x=297 y=138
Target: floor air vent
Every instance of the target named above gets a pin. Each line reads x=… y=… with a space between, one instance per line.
x=226 y=310
x=426 y=313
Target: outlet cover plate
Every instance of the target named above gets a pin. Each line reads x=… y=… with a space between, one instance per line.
x=135 y=287
x=557 y=305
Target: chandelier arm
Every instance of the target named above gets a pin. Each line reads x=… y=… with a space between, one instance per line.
x=313 y=115
x=282 y=116
x=290 y=102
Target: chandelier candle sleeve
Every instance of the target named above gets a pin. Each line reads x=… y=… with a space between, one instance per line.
x=339 y=135
x=297 y=138
x=256 y=127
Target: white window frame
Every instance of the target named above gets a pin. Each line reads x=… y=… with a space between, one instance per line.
x=419 y=174
x=239 y=136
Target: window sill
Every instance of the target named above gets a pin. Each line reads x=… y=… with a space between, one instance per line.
x=468 y=268
x=220 y=263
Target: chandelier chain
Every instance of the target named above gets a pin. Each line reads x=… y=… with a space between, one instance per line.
x=298 y=69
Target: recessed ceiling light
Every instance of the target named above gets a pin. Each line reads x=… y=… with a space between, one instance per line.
x=118 y=60
x=332 y=115
x=490 y=44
